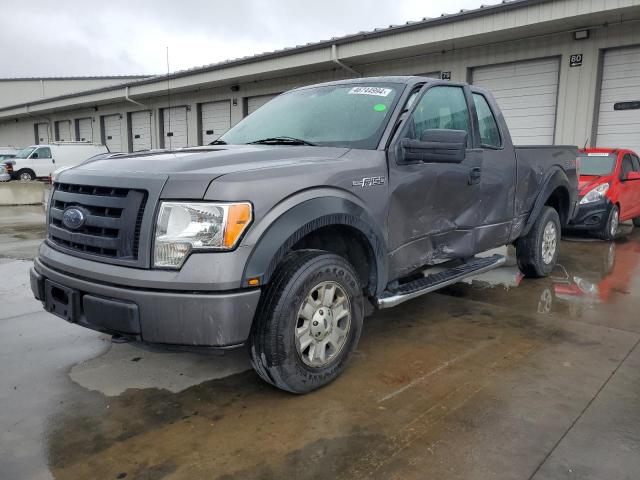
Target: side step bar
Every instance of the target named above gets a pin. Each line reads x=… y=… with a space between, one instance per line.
x=438 y=280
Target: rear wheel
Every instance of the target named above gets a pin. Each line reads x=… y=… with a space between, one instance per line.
x=26 y=175
x=537 y=251
x=636 y=222
x=610 y=229
x=308 y=322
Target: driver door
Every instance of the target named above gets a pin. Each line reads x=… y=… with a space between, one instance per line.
x=42 y=161
x=433 y=205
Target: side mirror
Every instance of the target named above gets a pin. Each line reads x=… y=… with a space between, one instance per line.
x=633 y=176
x=436 y=146
x=35 y=155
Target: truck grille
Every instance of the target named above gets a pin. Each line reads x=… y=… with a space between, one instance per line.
x=112 y=220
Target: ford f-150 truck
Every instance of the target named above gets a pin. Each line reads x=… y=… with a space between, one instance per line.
x=326 y=203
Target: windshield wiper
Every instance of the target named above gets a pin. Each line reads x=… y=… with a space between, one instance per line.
x=282 y=141
x=218 y=142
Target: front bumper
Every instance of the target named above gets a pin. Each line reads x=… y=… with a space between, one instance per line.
x=591 y=216
x=186 y=318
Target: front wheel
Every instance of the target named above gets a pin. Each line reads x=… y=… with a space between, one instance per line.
x=26 y=175
x=308 y=322
x=610 y=229
x=537 y=251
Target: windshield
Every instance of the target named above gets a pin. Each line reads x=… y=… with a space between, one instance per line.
x=598 y=164
x=351 y=116
x=24 y=153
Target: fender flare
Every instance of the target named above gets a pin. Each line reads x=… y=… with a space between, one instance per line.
x=303 y=219
x=555 y=179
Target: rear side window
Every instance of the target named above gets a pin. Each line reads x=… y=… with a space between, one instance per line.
x=636 y=163
x=489 y=132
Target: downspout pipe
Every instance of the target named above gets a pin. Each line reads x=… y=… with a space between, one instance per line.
x=129 y=99
x=336 y=60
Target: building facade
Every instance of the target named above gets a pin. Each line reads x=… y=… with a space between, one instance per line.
x=563 y=72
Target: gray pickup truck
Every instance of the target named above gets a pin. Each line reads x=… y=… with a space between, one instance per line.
x=327 y=203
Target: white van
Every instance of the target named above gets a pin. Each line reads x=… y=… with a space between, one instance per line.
x=42 y=160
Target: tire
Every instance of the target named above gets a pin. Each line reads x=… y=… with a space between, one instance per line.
x=537 y=251
x=278 y=354
x=636 y=222
x=611 y=227
x=25 y=175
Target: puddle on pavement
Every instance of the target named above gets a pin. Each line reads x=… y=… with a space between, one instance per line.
x=595 y=282
x=126 y=366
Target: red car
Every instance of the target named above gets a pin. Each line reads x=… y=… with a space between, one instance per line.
x=609 y=191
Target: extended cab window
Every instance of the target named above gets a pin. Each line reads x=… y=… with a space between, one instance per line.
x=489 y=132
x=440 y=108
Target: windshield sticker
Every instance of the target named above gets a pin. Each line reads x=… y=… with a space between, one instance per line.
x=599 y=154
x=380 y=107
x=377 y=91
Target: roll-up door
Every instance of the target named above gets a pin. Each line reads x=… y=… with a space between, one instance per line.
x=141 y=131
x=175 y=127
x=254 y=103
x=619 y=114
x=63 y=131
x=84 y=130
x=527 y=93
x=42 y=133
x=112 y=132
x=215 y=120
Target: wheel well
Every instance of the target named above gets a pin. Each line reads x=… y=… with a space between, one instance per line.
x=560 y=200
x=351 y=244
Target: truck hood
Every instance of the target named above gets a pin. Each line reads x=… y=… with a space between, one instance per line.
x=187 y=173
x=213 y=161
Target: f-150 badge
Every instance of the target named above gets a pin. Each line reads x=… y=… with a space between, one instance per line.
x=369 y=182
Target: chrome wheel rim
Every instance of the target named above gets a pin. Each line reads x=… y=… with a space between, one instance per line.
x=323 y=324
x=615 y=221
x=25 y=176
x=549 y=242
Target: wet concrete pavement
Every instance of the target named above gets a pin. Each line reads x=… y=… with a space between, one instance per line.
x=496 y=378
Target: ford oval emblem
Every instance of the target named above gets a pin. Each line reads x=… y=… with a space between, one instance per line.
x=73 y=218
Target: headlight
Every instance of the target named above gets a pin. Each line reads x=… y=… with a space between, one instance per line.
x=595 y=194
x=182 y=227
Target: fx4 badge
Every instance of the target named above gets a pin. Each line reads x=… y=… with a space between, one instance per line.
x=369 y=182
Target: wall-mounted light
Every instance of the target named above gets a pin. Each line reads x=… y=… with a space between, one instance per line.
x=235 y=102
x=581 y=34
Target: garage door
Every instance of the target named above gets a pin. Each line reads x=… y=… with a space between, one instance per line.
x=619 y=115
x=175 y=127
x=84 y=130
x=42 y=133
x=254 y=103
x=112 y=132
x=141 y=131
x=527 y=93
x=216 y=119
x=63 y=131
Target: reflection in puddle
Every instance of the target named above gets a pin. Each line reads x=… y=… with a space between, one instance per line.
x=588 y=273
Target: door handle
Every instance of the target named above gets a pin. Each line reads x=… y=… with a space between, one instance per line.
x=475 y=175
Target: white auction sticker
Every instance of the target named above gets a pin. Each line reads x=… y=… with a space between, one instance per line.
x=592 y=154
x=377 y=91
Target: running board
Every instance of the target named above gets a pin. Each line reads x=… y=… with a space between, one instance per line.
x=438 y=280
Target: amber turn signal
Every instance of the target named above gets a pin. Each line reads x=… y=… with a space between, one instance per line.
x=238 y=218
